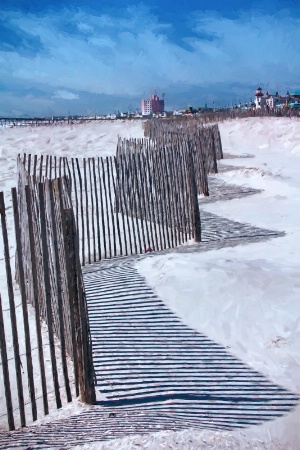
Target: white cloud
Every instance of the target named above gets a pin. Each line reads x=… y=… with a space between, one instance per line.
x=102 y=41
x=67 y=95
x=85 y=28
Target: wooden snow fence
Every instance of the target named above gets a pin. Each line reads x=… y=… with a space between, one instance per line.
x=165 y=173
x=110 y=220
x=157 y=186
x=144 y=198
x=203 y=142
x=49 y=328
x=193 y=130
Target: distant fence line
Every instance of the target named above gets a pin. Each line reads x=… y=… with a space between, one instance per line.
x=213 y=116
x=236 y=113
x=204 y=143
x=205 y=116
x=49 y=277
x=37 y=122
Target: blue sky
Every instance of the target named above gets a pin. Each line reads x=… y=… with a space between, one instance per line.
x=98 y=56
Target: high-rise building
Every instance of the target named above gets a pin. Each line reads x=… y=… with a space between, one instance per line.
x=146 y=107
x=153 y=106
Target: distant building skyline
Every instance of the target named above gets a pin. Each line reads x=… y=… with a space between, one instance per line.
x=154 y=105
x=275 y=100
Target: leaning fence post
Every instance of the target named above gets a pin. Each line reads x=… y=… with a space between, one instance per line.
x=194 y=199
x=78 y=303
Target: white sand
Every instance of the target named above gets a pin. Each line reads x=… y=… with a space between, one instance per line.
x=245 y=297
x=80 y=140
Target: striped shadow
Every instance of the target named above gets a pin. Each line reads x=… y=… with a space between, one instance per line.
x=217 y=228
x=147 y=360
x=220 y=190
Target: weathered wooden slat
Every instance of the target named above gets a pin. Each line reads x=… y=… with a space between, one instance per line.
x=41 y=168
x=97 y=218
x=68 y=177
x=144 y=175
x=119 y=202
x=85 y=362
x=122 y=201
x=47 y=166
x=12 y=308
x=50 y=167
x=48 y=294
x=168 y=196
x=59 y=275
x=60 y=167
x=174 y=196
x=132 y=204
x=92 y=194
x=87 y=210
x=112 y=215
x=34 y=166
x=29 y=164
x=163 y=193
x=150 y=200
x=65 y=167
x=82 y=214
x=22 y=284
x=194 y=198
x=69 y=282
x=5 y=371
x=138 y=204
x=116 y=210
x=107 y=208
x=35 y=282
x=74 y=188
x=159 y=199
x=102 y=207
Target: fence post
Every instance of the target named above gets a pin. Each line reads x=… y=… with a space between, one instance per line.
x=214 y=150
x=196 y=222
x=78 y=303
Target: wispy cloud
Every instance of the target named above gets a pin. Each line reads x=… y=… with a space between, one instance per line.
x=66 y=95
x=132 y=51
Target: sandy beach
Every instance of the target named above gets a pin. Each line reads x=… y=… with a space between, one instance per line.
x=244 y=297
